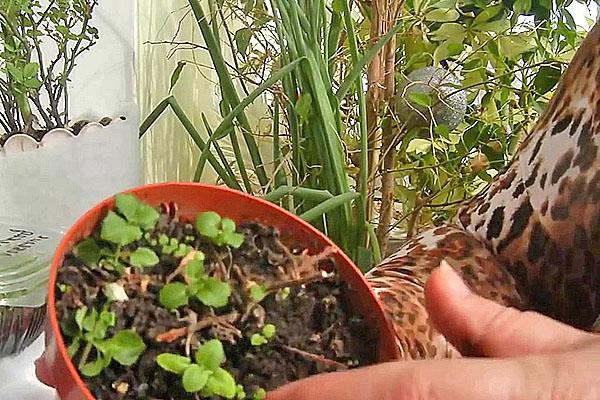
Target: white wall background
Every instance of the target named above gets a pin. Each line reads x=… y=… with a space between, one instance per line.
x=103 y=83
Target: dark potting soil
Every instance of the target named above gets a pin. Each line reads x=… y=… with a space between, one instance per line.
x=316 y=331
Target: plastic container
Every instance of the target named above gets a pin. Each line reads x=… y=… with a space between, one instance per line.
x=54 y=367
x=25 y=255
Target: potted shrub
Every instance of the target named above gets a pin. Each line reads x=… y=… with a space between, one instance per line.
x=52 y=156
x=169 y=290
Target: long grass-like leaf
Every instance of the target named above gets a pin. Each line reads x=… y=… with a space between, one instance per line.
x=228 y=89
x=361 y=234
x=171 y=102
x=315 y=195
x=227 y=122
x=329 y=205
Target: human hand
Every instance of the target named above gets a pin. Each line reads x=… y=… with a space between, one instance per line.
x=530 y=357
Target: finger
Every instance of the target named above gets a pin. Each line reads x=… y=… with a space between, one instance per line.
x=478 y=326
x=431 y=380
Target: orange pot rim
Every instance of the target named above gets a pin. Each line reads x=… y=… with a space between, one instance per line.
x=63 y=248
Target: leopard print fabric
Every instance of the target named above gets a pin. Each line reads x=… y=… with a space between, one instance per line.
x=532 y=239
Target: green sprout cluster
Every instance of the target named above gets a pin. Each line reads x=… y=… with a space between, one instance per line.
x=204 y=374
x=209 y=290
x=91 y=329
x=221 y=231
x=121 y=230
x=267 y=333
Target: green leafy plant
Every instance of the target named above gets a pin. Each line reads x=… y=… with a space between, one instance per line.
x=267 y=333
x=220 y=230
x=259 y=394
x=209 y=290
x=205 y=374
x=91 y=328
x=41 y=43
x=172 y=246
x=313 y=181
x=119 y=232
x=342 y=158
x=258 y=292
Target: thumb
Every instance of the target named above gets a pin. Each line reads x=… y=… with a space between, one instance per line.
x=477 y=326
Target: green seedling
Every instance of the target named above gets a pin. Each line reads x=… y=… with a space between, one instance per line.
x=283 y=294
x=209 y=290
x=90 y=328
x=240 y=393
x=267 y=333
x=173 y=246
x=258 y=292
x=260 y=394
x=121 y=231
x=204 y=374
x=221 y=231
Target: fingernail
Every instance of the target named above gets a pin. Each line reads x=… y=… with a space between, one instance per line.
x=453 y=281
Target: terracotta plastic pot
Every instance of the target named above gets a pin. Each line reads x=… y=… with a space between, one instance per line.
x=54 y=367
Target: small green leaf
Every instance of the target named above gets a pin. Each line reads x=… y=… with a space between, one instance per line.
x=452 y=31
x=74 y=347
x=547 y=78
x=442 y=15
x=240 y=394
x=94 y=368
x=176 y=74
x=418 y=146
x=420 y=99
x=163 y=239
x=136 y=212
x=242 y=40
x=32 y=83
x=207 y=223
x=257 y=339
x=513 y=46
x=143 y=257
x=195 y=269
x=211 y=355
x=487 y=14
x=80 y=315
x=227 y=225
x=213 y=292
x=284 y=293
x=521 y=6
x=195 y=378
x=116 y=230
x=88 y=251
x=173 y=363
x=173 y=295
x=182 y=250
x=233 y=239
x=89 y=322
x=268 y=331
x=125 y=347
x=258 y=293
x=221 y=383
x=260 y=394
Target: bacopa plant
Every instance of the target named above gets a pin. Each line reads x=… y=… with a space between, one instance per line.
x=119 y=231
x=196 y=304
x=205 y=374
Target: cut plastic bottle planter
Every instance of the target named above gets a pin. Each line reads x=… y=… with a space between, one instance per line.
x=50 y=183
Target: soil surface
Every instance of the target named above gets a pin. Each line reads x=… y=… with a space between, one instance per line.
x=315 y=329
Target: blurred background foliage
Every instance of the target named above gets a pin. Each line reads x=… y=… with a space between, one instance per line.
x=395 y=113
